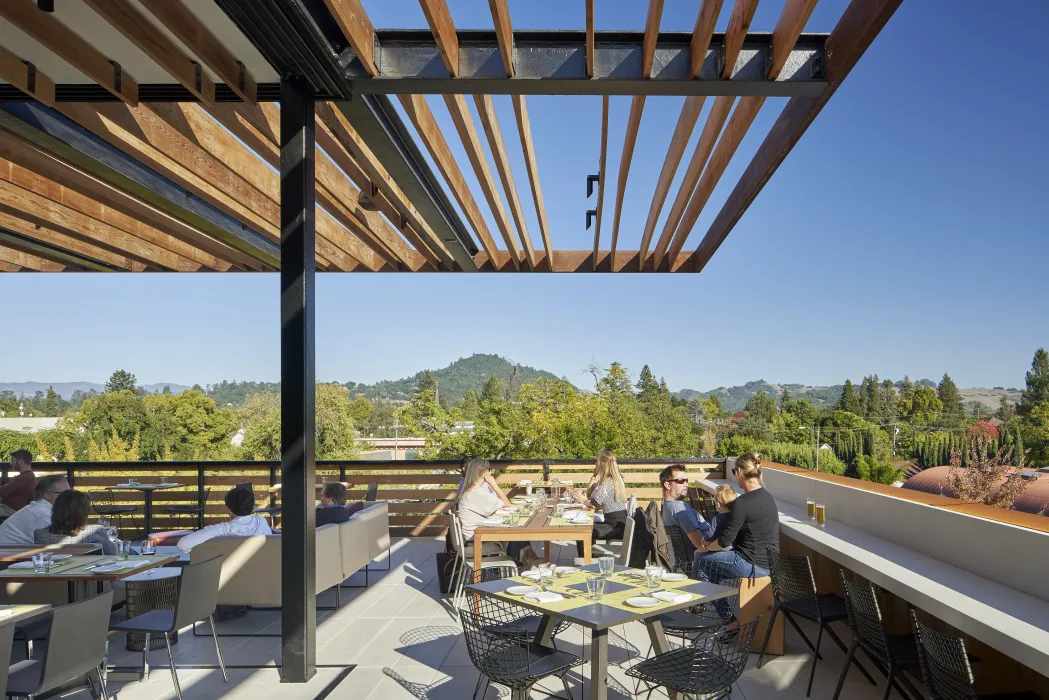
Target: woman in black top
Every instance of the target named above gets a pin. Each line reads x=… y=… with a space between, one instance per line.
x=752 y=525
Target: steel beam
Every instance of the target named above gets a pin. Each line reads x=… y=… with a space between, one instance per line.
x=298 y=377
x=381 y=128
x=554 y=63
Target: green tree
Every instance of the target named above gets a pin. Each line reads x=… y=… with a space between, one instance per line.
x=947 y=391
x=1037 y=391
x=713 y=407
x=647 y=386
x=926 y=407
x=761 y=408
x=336 y=432
x=121 y=380
x=260 y=417
x=51 y=402
x=469 y=406
x=167 y=389
x=361 y=409
x=848 y=401
x=427 y=382
x=492 y=391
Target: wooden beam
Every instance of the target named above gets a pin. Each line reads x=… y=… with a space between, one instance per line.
x=715 y=120
x=46 y=251
x=525 y=130
x=686 y=122
x=348 y=137
x=464 y=124
x=648 y=46
x=418 y=111
x=24 y=76
x=602 y=177
x=859 y=25
x=181 y=22
x=590 y=39
x=504 y=33
x=486 y=109
x=29 y=261
x=788 y=28
x=40 y=230
x=738 y=26
x=157 y=46
x=704 y=30
x=742 y=117
x=637 y=106
x=573 y=261
x=67 y=44
x=440 y=21
x=357 y=28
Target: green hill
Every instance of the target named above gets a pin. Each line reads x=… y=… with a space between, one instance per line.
x=465 y=373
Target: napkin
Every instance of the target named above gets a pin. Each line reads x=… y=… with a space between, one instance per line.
x=21 y=565
x=492 y=521
x=668 y=597
x=544 y=597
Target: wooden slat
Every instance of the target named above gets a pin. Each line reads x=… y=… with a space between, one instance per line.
x=590 y=38
x=73 y=263
x=504 y=34
x=490 y=123
x=525 y=131
x=686 y=122
x=67 y=44
x=155 y=44
x=648 y=46
x=715 y=120
x=464 y=124
x=28 y=260
x=357 y=28
x=637 y=106
x=603 y=177
x=418 y=111
x=575 y=261
x=738 y=26
x=181 y=22
x=704 y=29
x=27 y=78
x=859 y=25
x=742 y=117
x=788 y=28
x=39 y=229
x=348 y=137
x=440 y=21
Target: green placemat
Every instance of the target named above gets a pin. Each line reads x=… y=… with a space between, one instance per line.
x=573 y=599
x=74 y=566
x=618 y=600
x=561 y=522
x=639 y=582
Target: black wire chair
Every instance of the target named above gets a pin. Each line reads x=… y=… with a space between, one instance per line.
x=706 y=669
x=271 y=510
x=894 y=655
x=510 y=658
x=105 y=505
x=180 y=509
x=690 y=623
x=794 y=591
x=509 y=616
x=946 y=670
x=682 y=563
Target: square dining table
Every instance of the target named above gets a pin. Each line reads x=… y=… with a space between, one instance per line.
x=10 y=553
x=540 y=526
x=147 y=495
x=81 y=569
x=601 y=615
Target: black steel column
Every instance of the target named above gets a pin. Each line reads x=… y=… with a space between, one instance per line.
x=298 y=458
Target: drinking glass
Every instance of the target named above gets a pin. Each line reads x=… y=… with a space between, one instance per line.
x=132 y=481
x=810 y=504
x=122 y=547
x=107 y=527
x=42 y=562
x=514 y=518
x=654 y=576
x=148 y=547
x=595 y=587
x=559 y=510
x=821 y=514
x=606 y=565
x=546 y=576
x=163 y=480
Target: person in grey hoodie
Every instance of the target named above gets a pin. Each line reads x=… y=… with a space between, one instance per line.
x=240 y=502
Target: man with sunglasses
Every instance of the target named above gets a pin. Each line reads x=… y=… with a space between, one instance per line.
x=677 y=511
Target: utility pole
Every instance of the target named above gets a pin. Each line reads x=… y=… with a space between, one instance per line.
x=895 y=432
x=817 y=448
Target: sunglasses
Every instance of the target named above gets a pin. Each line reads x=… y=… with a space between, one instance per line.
x=678 y=481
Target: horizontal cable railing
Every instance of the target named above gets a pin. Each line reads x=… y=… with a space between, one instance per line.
x=419 y=492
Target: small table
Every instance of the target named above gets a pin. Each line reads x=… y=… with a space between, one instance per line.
x=147 y=493
x=600 y=616
x=77 y=569
x=541 y=527
x=156 y=589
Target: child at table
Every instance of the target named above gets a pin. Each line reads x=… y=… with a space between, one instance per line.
x=724 y=497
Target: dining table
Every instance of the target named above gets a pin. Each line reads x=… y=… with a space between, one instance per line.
x=85 y=569
x=11 y=614
x=11 y=553
x=610 y=610
x=147 y=495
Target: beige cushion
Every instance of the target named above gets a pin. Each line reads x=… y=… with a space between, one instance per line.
x=377 y=519
x=353 y=543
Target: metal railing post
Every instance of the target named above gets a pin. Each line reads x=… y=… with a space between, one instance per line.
x=200 y=495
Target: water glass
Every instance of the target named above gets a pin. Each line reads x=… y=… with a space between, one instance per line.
x=42 y=562
x=546 y=576
x=122 y=547
x=132 y=481
x=810 y=505
x=595 y=587
x=821 y=514
x=559 y=510
x=654 y=576
x=148 y=547
x=514 y=518
x=163 y=480
x=606 y=565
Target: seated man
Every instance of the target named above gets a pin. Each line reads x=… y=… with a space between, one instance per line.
x=243 y=522
x=676 y=511
x=18 y=492
x=333 y=505
x=19 y=528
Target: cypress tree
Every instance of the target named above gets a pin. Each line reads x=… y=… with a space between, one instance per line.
x=848 y=400
x=948 y=393
x=1037 y=391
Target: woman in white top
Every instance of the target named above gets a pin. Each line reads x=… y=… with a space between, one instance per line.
x=479 y=499
x=607 y=492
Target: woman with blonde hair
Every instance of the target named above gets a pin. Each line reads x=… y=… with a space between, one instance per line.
x=605 y=491
x=751 y=526
x=479 y=498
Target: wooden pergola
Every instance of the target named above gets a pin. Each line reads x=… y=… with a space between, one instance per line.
x=145 y=135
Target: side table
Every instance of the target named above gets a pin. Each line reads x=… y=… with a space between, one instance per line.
x=156 y=589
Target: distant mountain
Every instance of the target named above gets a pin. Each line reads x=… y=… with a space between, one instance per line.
x=454 y=380
x=67 y=389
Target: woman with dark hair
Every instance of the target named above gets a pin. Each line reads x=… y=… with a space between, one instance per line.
x=69 y=523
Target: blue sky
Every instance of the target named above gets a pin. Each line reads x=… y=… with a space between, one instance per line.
x=905 y=234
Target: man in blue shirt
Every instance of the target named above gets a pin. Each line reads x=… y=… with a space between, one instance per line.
x=677 y=511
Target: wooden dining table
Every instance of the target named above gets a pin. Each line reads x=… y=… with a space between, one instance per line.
x=80 y=569
x=11 y=553
x=541 y=526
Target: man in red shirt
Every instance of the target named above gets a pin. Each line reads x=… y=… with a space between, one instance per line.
x=18 y=492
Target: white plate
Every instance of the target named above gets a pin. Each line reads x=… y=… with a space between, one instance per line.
x=109 y=569
x=521 y=590
x=60 y=557
x=562 y=570
x=668 y=576
x=642 y=602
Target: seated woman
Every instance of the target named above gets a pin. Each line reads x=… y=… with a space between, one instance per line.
x=750 y=528
x=607 y=492
x=479 y=499
x=69 y=523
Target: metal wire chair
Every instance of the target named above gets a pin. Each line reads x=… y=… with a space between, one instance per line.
x=794 y=590
x=946 y=670
x=682 y=563
x=180 y=509
x=892 y=654
x=463 y=565
x=690 y=623
x=105 y=505
x=705 y=669
x=510 y=658
x=511 y=616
